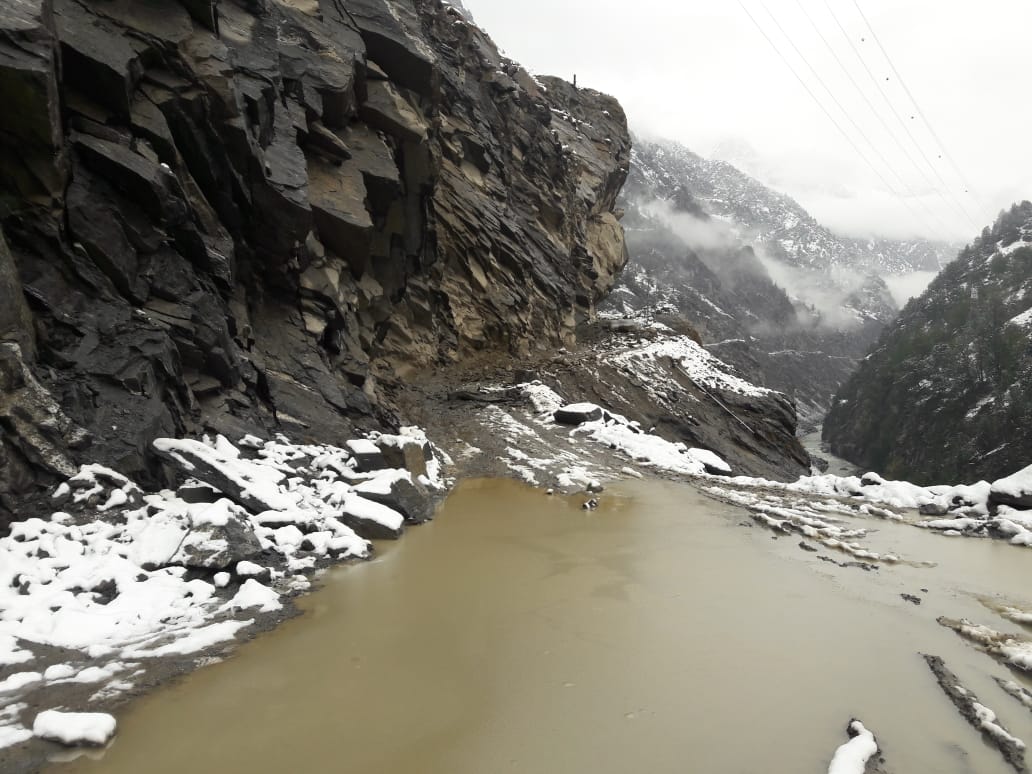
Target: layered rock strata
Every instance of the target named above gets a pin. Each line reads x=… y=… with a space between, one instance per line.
x=263 y=215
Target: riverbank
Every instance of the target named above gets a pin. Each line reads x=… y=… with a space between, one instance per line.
x=587 y=467
x=120 y=590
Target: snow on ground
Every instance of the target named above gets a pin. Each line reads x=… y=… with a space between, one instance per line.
x=852 y=757
x=964 y=509
x=532 y=454
x=119 y=576
x=987 y=722
x=1023 y=320
x=1014 y=650
x=705 y=370
x=1022 y=694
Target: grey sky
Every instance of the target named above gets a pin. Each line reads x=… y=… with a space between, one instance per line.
x=698 y=71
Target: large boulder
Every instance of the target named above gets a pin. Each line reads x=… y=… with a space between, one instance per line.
x=370 y=519
x=253 y=486
x=1015 y=490
x=397 y=491
x=218 y=547
x=577 y=413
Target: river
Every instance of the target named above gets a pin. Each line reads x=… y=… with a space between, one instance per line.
x=663 y=632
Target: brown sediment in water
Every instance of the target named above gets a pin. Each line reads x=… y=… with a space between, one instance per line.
x=519 y=632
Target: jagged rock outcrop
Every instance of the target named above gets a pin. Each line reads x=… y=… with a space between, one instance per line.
x=261 y=215
x=946 y=395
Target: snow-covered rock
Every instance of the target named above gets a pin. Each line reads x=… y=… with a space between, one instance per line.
x=370 y=519
x=1015 y=490
x=577 y=413
x=397 y=490
x=75 y=728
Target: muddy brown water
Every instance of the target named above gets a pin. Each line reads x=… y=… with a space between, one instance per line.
x=521 y=633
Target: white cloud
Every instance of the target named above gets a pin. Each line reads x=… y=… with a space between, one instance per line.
x=699 y=72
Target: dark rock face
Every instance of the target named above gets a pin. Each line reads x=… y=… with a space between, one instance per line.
x=260 y=217
x=32 y=145
x=946 y=394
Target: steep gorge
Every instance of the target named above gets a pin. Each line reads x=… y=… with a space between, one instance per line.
x=946 y=394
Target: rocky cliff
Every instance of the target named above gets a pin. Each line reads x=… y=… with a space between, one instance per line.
x=946 y=395
x=266 y=215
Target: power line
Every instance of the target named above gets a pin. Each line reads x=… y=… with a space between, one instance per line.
x=906 y=127
x=877 y=114
x=849 y=117
x=969 y=189
x=824 y=110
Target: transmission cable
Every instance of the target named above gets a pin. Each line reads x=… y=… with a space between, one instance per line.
x=877 y=114
x=826 y=112
x=969 y=189
x=856 y=126
x=906 y=127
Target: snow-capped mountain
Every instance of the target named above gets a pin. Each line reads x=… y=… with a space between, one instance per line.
x=775 y=220
x=767 y=287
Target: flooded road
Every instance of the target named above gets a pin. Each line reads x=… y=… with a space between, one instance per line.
x=663 y=632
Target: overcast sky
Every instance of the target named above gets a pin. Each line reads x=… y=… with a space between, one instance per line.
x=700 y=72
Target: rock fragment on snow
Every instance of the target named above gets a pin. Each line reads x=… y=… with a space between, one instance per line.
x=252 y=486
x=367 y=454
x=577 y=413
x=405 y=452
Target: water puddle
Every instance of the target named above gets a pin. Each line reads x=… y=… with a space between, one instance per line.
x=519 y=632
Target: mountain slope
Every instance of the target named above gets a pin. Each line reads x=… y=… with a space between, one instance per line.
x=769 y=289
x=777 y=221
x=947 y=392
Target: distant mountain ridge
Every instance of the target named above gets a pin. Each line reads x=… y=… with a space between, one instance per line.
x=776 y=220
x=767 y=287
x=947 y=392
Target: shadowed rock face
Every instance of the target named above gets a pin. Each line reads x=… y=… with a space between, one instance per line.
x=252 y=216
